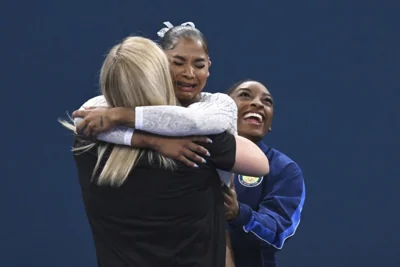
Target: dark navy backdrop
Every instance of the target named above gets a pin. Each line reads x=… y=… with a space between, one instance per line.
x=333 y=67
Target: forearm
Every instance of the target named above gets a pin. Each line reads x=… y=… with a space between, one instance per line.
x=172 y=120
x=127 y=136
x=215 y=114
x=143 y=140
x=120 y=115
x=123 y=116
x=178 y=121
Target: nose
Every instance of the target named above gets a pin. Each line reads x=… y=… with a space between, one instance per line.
x=189 y=72
x=257 y=103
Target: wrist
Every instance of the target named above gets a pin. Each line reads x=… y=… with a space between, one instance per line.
x=150 y=141
x=122 y=116
x=142 y=140
x=114 y=115
x=153 y=142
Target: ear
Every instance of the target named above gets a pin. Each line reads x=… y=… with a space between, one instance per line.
x=209 y=65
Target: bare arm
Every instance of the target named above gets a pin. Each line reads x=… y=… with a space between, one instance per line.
x=215 y=113
x=237 y=154
x=250 y=160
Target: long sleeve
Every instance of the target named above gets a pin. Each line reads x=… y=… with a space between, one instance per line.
x=214 y=114
x=121 y=135
x=278 y=214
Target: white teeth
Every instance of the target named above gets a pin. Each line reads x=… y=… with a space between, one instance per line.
x=251 y=114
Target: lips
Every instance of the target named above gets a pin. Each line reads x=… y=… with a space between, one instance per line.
x=254 y=118
x=186 y=86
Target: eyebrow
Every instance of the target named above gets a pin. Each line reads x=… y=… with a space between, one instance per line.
x=249 y=91
x=184 y=59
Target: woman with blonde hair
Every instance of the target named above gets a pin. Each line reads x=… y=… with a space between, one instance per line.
x=145 y=209
x=198 y=113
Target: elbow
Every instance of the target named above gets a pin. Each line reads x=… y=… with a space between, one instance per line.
x=266 y=166
x=252 y=167
x=265 y=169
x=250 y=160
x=261 y=167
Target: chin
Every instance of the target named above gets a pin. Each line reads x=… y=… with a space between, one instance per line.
x=186 y=98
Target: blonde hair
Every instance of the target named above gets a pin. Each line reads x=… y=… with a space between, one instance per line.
x=135 y=73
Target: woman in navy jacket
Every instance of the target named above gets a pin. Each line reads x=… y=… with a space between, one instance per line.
x=262 y=212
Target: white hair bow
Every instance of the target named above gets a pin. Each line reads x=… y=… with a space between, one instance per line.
x=162 y=32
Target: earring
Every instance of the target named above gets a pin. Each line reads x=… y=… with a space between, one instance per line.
x=269 y=129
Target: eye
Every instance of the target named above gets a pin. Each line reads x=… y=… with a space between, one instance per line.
x=200 y=66
x=244 y=95
x=268 y=101
x=178 y=63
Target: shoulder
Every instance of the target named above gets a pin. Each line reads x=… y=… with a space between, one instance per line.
x=97 y=101
x=217 y=97
x=282 y=165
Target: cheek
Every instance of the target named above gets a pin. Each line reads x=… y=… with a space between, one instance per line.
x=202 y=75
x=270 y=114
x=174 y=70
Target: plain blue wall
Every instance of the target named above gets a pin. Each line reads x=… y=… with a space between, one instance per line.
x=332 y=66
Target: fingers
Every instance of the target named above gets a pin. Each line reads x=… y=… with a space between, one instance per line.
x=225 y=188
x=187 y=162
x=80 y=114
x=190 y=155
x=81 y=127
x=227 y=199
x=226 y=207
x=198 y=149
x=90 y=107
x=87 y=129
x=232 y=182
x=228 y=212
x=201 y=139
x=230 y=196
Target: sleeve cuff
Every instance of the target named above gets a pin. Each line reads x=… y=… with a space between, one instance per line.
x=128 y=136
x=139 y=118
x=243 y=217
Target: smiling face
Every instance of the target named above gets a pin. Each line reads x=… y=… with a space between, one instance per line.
x=189 y=66
x=255 y=110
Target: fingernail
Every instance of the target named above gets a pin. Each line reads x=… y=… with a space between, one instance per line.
x=204 y=161
x=208 y=154
x=209 y=140
x=195 y=165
